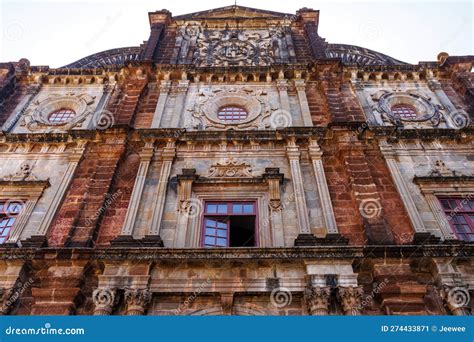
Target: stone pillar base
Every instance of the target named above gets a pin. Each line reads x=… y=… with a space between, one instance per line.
x=304 y=240
x=425 y=239
x=130 y=241
x=35 y=241
x=151 y=241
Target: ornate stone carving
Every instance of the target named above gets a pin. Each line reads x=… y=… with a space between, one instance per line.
x=456 y=299
x=440 y=170
x=104 y=300
x=210 y=100
x=427 y=112
x=36 y=117
x=230 y=168
x=350 y=298
x=137 y=301
x=24 y=173
x=234 y=47
x=317 y=299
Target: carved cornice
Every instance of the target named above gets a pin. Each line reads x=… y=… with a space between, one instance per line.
x=458 y=249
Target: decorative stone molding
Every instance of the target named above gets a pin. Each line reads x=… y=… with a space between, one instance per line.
x=427 y=112
x=104 y=300
x=317 y=299
x=456 y=299
x=36 y=116
x=137 y=301
x=210 y=100
x=230 y=168
x=350 y=298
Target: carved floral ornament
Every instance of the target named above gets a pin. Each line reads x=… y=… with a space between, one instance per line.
x=36 y=117
x=427 y=111
x=209 y=101
x=230 y=168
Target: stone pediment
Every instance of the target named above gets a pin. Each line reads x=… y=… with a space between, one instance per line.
x=230 y=12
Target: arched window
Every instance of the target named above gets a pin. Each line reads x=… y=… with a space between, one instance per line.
x=61 y=115
x=232 y=114
x=404 y=111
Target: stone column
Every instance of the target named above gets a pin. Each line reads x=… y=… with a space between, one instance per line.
x=63 y=185
x=181 y=90
x=274 y=179
x=104 y=300
x=456 y=299
x=317 y=299
x=165 y=87
x=187 y=207
x=293 y=153
x=305 y=112
x=137 y=301
x=421 y=233
x=305 y=237
x=350 y=298
x=282 y=86
x=315 y=154
x=167 y=156
x=145 y=158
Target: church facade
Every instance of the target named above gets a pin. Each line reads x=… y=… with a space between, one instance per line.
x=236 y=163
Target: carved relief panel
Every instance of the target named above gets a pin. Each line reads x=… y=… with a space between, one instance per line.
x=208 y=111
x=233 y=47
x=405 y=105
x=59 y=109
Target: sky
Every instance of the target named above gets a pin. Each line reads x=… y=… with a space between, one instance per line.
x=56 y=33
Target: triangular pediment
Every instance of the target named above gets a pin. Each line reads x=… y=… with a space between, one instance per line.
x=229 y=12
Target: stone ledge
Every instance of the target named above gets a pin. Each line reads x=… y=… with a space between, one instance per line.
x=142 y=252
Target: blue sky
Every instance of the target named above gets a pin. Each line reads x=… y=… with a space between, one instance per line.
x=56 y=33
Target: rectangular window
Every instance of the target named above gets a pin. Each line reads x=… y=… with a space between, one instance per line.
x=460 y=215
x=229 y=224
x=9 y=212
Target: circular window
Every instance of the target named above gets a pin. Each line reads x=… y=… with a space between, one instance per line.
x=232 y=114
x=404 y=111
x=61 y=115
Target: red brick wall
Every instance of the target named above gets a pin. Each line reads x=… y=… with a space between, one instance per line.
x=76 y=220
x=114 y=217
x=147 y=106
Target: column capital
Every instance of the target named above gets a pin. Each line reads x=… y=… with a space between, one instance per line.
x=350 y=298
x=317 y=299
x=282 y=84
x=165 y=86
x=104 y=300
x=456 y=299
x=434 y=85
x=300 y=85
x=137 y=301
